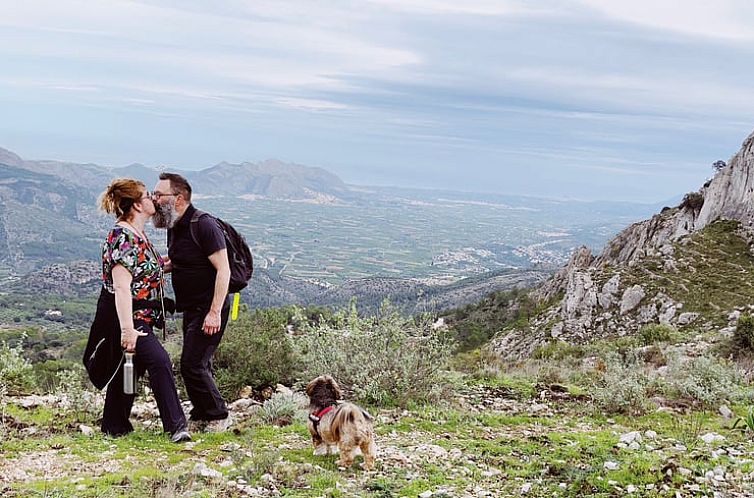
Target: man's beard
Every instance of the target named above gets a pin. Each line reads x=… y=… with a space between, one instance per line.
x=165 y=215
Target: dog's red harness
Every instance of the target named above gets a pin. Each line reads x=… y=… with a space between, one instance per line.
x=323 y=412
x=316 y=417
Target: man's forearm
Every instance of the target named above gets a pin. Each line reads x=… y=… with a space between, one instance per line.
x=222 y=279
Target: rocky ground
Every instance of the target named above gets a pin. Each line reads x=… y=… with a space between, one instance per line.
x=495 y=439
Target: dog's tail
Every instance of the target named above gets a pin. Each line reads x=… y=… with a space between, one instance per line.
x=349 y=414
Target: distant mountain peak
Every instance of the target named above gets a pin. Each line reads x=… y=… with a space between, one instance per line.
x=270 y=178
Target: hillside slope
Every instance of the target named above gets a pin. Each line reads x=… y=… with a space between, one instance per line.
x=690 y=267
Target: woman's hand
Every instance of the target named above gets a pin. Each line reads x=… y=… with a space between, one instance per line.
x=128 y=337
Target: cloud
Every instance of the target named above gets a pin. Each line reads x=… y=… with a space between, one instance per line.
x=723 y=19
x=469 y=7
x=254 y=49
x=647 y=92
x=311 y=104
x=590 y=88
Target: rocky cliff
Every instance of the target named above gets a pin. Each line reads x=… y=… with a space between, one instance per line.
x=687 y=266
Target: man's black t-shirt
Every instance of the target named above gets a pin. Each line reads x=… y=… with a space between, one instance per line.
x=193 y=273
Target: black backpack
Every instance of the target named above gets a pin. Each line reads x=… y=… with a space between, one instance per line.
x=239 y=254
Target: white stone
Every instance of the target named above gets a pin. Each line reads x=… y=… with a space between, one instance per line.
x=630 y=437
x=648 y=313
x=711 y=437
x=241 y=404
x=725 y=412
x=426 y=494
x=687 y=317
x=611 y=465
x=631 y=298
x=557 y=329
x=630 y=488
x=650 y=435
x=667 y=315
x=608 y=291
x=525 y=488
x=86 y=430
x=727 y=332
x=202 y=470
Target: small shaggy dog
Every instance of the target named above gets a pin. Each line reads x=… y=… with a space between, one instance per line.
x=337 y=423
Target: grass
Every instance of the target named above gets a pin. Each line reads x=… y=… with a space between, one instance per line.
x=445 y=449
x=715 y=270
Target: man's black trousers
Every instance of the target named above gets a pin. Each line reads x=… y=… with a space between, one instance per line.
x=196 y=364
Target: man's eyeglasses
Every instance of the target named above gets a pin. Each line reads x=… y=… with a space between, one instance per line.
x=159 y=195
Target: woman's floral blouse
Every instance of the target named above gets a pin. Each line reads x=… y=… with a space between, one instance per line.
x=124 y=247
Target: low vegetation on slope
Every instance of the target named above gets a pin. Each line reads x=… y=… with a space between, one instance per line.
x=650 y=415
x=711 y=272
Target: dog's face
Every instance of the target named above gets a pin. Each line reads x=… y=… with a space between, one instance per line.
x=323 y=392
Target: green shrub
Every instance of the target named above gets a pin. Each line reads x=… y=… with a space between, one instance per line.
x=624 y=388
x=16 y=373
x=256 y=351
x=656 y=332
x=46 y=373
x=693 y=200
x=557 y=350
x=743 y=336
x=654 y=355
x=76 y=397
x=470 y=362
x=704 y=381
x=387 y=359
x=284 y=409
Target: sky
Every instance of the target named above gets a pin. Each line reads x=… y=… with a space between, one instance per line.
x=578 y=99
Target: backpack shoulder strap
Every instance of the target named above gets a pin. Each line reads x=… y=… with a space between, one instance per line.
x=194 y=220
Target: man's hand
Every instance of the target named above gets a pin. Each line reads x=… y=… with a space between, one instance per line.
x=211 y=323
x=167 y=265
x=128 y=338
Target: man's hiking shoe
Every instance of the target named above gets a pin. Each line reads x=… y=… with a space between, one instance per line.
x=180 y=436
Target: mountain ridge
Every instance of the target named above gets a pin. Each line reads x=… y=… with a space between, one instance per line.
x=642 y=274
x=269 y=178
